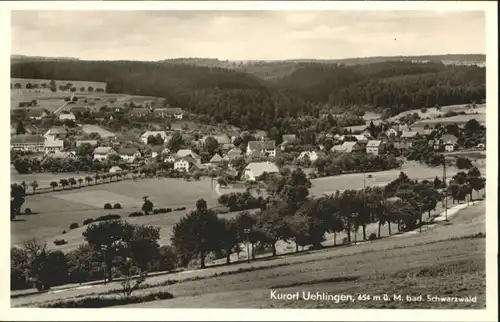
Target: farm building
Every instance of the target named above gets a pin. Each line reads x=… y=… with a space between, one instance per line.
x=255 y=169
x=216 y=159
x=26 y=142
x=234 y=153
x=53 y=144
x=57 y=132
x=129 y=154
x=170 y=112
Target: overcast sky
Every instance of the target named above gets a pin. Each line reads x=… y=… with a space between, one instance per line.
x=243 y=35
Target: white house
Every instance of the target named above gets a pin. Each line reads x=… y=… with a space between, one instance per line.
x=102 y=152
x=265 y=147
x=53 y=144
x=129 y=154
x=216 y=159
x=115 y=169
x=147 y=134
x=182 y=153
x=311 y=155
x=449 y=141
x=375 y=147
x=256 y=169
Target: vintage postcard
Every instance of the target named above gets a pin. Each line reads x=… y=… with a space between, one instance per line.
x=335 y=158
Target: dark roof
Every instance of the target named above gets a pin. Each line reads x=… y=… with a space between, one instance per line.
x=289 y=138
x=79 y=108
x=27 y=139
x=262 y=145
x=449 y=137
x=35 y=112
x=127 y=151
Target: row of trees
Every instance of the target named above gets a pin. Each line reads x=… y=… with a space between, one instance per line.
x=332 y=164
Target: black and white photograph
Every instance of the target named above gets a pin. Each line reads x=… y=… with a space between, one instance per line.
x=252 y=159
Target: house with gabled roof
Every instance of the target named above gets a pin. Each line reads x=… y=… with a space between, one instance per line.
x=264 y=147
x=255 y=169
x=391 y=132
x=90 y=142
x=67 y=116
x=59 y=155
x=448 y=141
x=102 y=152
x=234 y=153
x=347 y=147
x=182 y=153
x=53 y=144
x=183 y=164
x=375 y=147
x=216 y=159
x=36 y=113
x=129 y=154
x=59 y=132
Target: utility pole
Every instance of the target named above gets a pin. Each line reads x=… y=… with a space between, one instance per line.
x=446 y=191
x=247 y=233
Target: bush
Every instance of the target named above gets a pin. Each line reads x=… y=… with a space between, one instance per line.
x=117 y=206
x=156 y=211
x=88 y=221
x=163 y=210
x=107 y=206
x=27 y=211
x=423 y=110
x=345 y=241
x=168 y=210
x=179 y=209
x=107 y=301
x=59 y=242
x=372 y=236
x=64 y=232
x=136 y=214
x=108 y=217
x=73 y=225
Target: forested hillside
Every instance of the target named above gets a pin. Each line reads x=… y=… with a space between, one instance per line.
x=395 y=85
x=245 y=100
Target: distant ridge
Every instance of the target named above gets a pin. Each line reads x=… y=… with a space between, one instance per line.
x=23 y=58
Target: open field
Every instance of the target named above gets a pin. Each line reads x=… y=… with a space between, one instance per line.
x=459 y=119
x=88 y=128
x=329 y=185
x=432 y=112
x=56 y=211
x=425 y=263
x=77 y=84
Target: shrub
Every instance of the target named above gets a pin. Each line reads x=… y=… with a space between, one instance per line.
x=107 y=301
x=345 y=241
x=59 y=242
x=107 y=206
x=73 y=225
x=88 y=221
x=163 y=210
x=156 y=211
x=108 y=217
x=168 y=210
x=136 y=214
x=64 y=232
x=423 y=110
x=180 y=208
x=27 y=211
x=372 y=236
x=117 y=206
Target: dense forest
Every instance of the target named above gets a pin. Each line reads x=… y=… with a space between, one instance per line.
x=244 y=100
